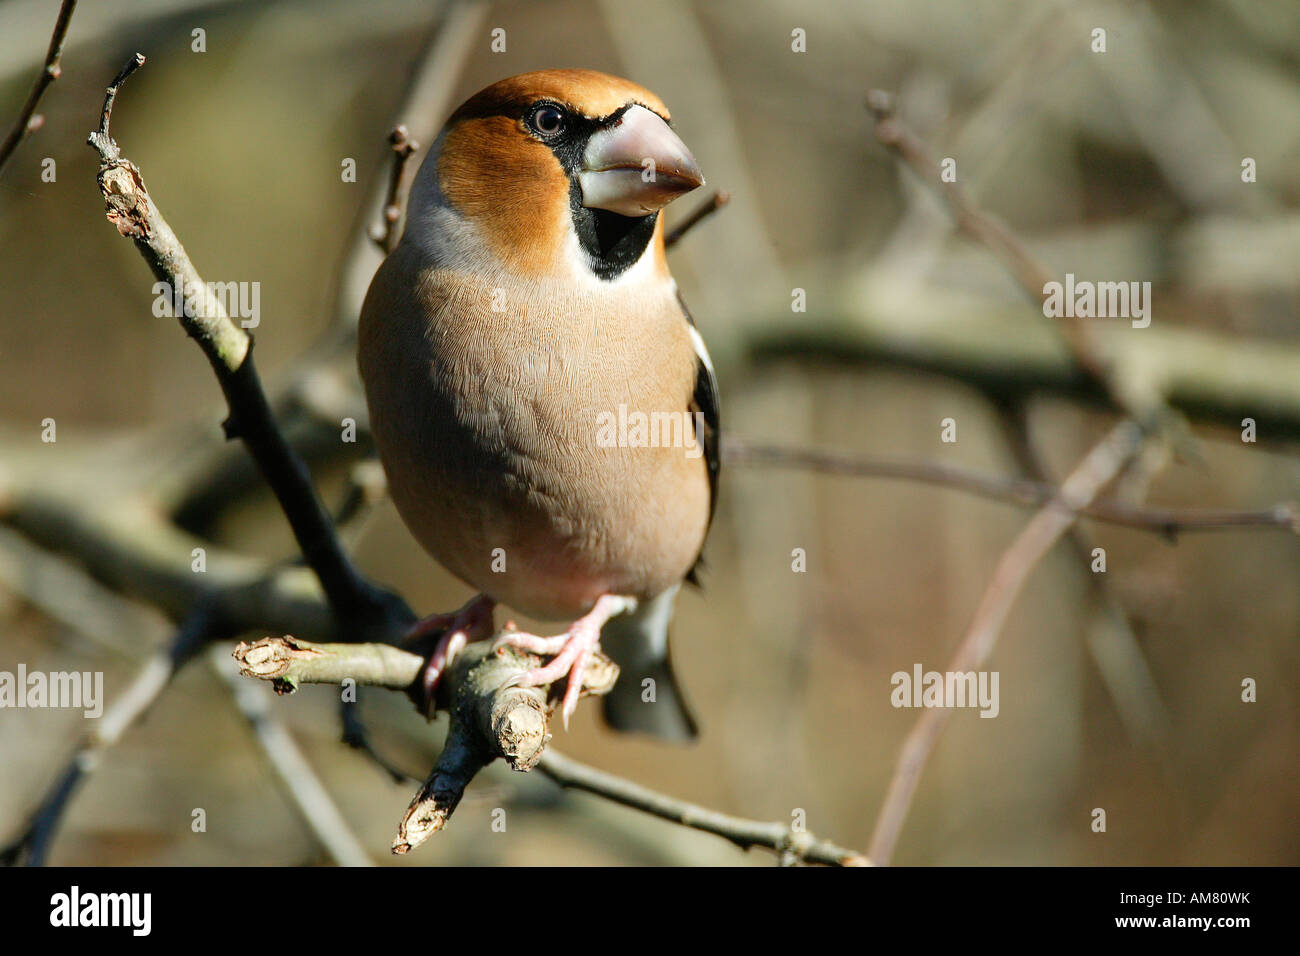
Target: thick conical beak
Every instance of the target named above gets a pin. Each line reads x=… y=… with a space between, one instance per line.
x=637 y=166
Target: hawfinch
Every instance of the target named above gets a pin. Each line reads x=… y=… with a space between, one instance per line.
x=541 y=401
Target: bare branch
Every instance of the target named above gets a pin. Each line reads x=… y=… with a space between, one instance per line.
x=425 y=106
x=1023 y=492
x=357 y=602
x=386 y=233
x=1146 y=407
x=490 y=719
x=704 y=211
x=101 y=139
x=1006 y=354
x=1111 y=642
x=1098 y=468
x=745 y=834
x=288 y=663
x=29 y=120
x=490 y=716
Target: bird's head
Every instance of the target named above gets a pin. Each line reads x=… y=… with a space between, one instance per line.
x=552 y=171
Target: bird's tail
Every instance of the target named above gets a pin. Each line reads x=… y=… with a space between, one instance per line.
x=646 y=698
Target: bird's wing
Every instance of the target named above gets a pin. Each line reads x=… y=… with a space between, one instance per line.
x=705 y=401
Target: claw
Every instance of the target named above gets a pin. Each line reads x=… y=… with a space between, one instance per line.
x=571 y=651
x=473 y=622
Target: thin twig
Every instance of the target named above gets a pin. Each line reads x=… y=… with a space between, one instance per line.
x=456 y=33
x=385 y=234
x=289 y=662
x=702 y=212
x=357 y=736
x=1023 y=492
x=1098 y=468
x=29 y=121
x=102 y=139
x=779 y=837
x=979 y=225
x=1112 y=643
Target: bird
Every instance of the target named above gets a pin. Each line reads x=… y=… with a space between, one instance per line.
x=513 y=347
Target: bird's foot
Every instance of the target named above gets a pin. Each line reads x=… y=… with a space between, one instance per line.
x=571 y=651
x=473 y=622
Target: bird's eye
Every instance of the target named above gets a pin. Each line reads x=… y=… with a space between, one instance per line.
x=547 y=120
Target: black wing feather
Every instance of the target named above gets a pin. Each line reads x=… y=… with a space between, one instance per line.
x=705 y=401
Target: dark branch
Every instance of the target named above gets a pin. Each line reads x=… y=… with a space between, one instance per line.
x=780 y=837
x=358 y=605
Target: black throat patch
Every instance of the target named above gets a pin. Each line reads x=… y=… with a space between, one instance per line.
x=612 y=243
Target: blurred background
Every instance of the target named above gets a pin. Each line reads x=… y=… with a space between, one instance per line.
x=1122 y=165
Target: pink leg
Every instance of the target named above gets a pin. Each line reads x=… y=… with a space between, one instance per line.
x=572 y=651
x=473 y=622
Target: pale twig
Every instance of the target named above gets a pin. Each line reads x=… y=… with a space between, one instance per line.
x=1098 y=468
x=29 y=120
x=1111 y=642
x=425 y=105
x=289 y=662
x=491 y=716
x=981 y=226
x=286 y=760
